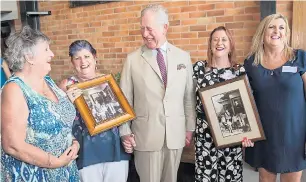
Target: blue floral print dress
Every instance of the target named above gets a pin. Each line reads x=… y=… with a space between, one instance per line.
x=214 y=165
x=49 y=128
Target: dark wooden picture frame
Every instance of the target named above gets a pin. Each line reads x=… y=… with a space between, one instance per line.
x=102 y=105
x=75 y=3
x=231 y=112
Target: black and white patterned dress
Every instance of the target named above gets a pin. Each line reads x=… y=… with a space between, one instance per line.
x=214 y=165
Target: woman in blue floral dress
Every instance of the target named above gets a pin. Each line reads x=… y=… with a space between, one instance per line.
x=36 y=116
x=216 y=165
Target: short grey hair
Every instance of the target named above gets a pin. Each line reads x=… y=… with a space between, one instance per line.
x=162 y=13
x=21 y=43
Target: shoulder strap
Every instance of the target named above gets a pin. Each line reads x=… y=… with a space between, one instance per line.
x=27 y=91
x=54 y=87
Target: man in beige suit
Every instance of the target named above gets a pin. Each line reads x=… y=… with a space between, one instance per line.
x=157 y=81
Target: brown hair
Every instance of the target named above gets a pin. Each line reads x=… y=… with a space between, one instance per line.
x=231 y=55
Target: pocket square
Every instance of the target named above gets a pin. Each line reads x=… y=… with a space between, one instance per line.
x=181 y=66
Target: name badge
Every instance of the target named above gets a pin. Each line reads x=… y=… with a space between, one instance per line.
x=289 y=69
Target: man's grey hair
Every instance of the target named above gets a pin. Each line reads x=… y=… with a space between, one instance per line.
x=162 y=13
x=22 y=43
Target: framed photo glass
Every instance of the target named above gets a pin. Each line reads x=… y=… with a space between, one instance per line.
x=102 y=105
x=231 y=112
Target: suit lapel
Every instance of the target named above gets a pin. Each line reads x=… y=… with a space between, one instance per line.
x=151 y=60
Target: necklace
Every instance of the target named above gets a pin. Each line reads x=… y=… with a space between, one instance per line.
x=278 y=60
x=45 y=89
x=272 y=65
x=42 y=91
x=267 y=64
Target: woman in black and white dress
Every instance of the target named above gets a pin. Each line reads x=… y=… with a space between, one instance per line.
x=216 y=165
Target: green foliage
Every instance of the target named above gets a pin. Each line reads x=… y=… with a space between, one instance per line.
x=117 y=77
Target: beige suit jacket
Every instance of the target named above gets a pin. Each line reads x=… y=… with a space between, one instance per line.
x=162 y=115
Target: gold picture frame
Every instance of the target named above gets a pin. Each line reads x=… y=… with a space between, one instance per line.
x=231 y=112
x=102 y=105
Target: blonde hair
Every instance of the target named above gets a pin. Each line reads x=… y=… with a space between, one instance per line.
x=232 y=54
x=257 y=48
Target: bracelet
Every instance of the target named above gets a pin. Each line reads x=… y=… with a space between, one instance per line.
x=49 y=160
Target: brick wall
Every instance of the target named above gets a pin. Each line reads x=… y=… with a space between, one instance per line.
x=17 y=22
x=113 y=28
x=285 y=8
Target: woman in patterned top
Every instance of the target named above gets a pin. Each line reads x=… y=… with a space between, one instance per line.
x=102 y=157
x=216 y=165
x=36 y=116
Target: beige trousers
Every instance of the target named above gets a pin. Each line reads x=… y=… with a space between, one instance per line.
x=158 y=166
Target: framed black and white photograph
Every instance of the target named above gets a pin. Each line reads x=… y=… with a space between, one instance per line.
x=231 y=115
x=102 y=104
x=231 y=112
